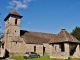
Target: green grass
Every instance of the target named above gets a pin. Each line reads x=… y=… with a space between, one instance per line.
x=41 y=58
x=75 y=59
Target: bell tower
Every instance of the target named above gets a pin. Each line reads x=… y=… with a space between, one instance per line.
x=12 y=28
x=12 y=23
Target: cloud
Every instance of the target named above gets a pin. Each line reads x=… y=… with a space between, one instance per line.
x=19 y=4
x=29 y=23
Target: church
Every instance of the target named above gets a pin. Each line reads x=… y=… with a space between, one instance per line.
x=16 y=42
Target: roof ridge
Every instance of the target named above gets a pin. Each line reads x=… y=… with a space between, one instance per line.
x=15 y=12
x=42 y=32
x=65 y=36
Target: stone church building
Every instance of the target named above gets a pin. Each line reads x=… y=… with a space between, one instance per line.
x=16 y=42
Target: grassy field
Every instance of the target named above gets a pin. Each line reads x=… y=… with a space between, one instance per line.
x=41 y=58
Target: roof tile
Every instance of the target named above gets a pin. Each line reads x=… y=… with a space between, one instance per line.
x=64 y=36
x=36 y=37
x=15 y=12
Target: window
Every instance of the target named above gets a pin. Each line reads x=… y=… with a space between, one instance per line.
x=43 y=49
x=3 y=45
x=15 y=30
x=16 y=42
x=61 y=46
x=33 y=53
x=16 y=21
x=34 y=48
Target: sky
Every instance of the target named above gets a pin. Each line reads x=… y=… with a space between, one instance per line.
x=48 y=16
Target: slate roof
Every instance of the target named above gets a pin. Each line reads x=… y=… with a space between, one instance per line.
x=64 y=36
x=40 y=38
x=36 y=37
x=15 y=13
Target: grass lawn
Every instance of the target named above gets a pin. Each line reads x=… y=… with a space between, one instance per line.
x=41 y=58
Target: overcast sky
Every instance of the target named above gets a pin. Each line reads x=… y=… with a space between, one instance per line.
x=48 y=16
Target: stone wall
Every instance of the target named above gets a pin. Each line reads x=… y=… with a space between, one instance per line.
x=76 y=53
x=17 y=48
x=47 y=49
x=66 y=46
x=29 y=47
x=11 y=28
x=2 y=50
x=59 y=55
x=55 y=51
x=39 y=49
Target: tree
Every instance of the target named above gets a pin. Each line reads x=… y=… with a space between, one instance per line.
x=76 y=32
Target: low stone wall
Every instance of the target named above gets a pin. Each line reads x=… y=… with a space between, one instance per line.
x=59 y=55
x=16 y=54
